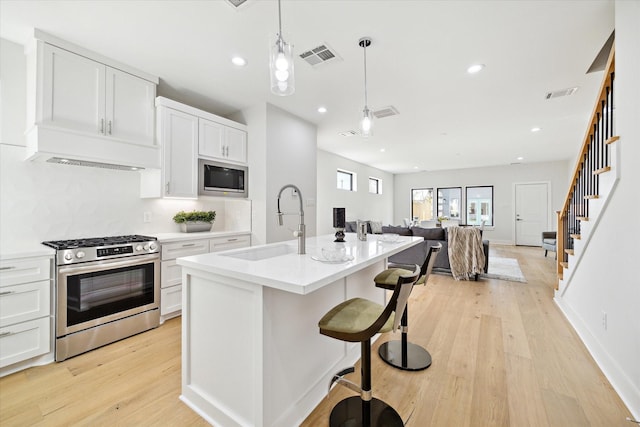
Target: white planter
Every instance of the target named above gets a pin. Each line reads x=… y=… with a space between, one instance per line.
x=194 y=226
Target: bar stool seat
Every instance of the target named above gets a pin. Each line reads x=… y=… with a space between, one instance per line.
x=358 y=320
x=403 y=354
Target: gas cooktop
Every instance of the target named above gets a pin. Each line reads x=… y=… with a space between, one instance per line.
x=97 y=241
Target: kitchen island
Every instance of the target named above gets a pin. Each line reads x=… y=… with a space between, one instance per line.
x=251 y=351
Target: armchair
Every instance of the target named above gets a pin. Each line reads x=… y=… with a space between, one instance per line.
x=549 y=242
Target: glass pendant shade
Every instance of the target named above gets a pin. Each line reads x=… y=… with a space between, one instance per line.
x=366 y=123
x=281 y=68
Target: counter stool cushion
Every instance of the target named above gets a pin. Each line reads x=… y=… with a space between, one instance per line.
x=389 y=278
x=354 y=316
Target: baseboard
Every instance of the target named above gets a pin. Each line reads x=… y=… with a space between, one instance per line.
x=621 y=383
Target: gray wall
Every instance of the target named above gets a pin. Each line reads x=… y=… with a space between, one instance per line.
x=359 y=204
x=503 y=179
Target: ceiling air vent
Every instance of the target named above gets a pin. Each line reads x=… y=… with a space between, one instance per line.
x=236 y=3
x=562 y=92
x=320 y=55
x=348 y=133
x=385 y=112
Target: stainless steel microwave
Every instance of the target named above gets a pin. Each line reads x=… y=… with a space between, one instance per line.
x=222 y=179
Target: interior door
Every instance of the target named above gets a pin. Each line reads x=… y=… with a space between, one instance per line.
x=532 y=210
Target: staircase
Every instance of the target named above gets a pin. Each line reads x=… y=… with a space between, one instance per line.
x=594 y=180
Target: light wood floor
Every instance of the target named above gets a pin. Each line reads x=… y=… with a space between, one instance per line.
x=503 y=355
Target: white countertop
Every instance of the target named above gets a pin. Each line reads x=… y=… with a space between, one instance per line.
x=24 y=249
x=299 y=273
x=177 y=237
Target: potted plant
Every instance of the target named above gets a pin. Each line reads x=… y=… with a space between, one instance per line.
x=195 y=220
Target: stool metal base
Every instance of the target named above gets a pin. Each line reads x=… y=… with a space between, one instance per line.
x=352 y=412
x=413 y=358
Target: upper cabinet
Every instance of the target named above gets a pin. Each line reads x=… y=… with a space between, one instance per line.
x=186 y=134
x=86 y=107
x=218 y=141
x=88 y=96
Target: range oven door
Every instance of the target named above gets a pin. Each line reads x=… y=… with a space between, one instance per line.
x=99 y=292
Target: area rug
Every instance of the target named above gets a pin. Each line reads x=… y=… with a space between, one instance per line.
x=504 y=269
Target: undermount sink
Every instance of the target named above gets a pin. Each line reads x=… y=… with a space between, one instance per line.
x=260 y=253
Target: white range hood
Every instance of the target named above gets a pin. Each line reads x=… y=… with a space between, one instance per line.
x=50 y=144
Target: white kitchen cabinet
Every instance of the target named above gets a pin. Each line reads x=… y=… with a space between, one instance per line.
x=230 y=242
x=179 y=135
x=218 y=141
x=25 y=310
x=87 y=96
x=186 y=133
x=171 y=274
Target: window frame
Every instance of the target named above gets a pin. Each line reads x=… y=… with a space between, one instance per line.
x=378 y=182
x=478 y=206
x=353 y=179
x=415 y=217
x=441 y=214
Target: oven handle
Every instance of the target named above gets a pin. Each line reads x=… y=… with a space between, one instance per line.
x=111 y=264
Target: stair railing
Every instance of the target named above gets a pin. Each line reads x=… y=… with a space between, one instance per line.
x=593 y=160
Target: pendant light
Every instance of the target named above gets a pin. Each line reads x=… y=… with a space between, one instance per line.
x=281 y=63
x=366 y=123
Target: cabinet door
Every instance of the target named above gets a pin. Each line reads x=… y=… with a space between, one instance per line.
x=20 y=303
x=231 y=242
x=24 y=270
x=73 y=91
x=130 y=109
x=170 y=300
x=179 y=138
x=24 y=340
x=185 y=248
x=211 y=139
x=236 y=142
x=170 y=274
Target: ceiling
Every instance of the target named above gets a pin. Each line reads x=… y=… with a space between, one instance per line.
x=417 y=63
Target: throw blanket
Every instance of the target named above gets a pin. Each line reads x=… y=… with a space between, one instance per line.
x=465 y=252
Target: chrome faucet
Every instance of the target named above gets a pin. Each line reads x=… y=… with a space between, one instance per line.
x=300 y=232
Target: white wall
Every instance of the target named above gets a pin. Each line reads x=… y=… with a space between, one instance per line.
x=502 y=178
x=43 y=201
x=359 y=204
x=282 y=150
x=607 y=278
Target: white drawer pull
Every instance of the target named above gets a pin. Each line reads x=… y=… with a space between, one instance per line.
x=188 y=244
x=231 y=240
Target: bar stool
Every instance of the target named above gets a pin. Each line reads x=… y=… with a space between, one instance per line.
x=358 y=320
x=403 y=354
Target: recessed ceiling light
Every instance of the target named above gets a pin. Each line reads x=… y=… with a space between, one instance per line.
x=322 y=110
x=415 y=167
x=536 y=129
x=382 y=150
x=239 y=61
x=475 y=68
x=520 y=158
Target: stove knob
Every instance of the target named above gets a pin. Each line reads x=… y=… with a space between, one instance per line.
x=79 y=254
x=68 y=256
x=153 y=246
x=146 y=247
x=139 y=248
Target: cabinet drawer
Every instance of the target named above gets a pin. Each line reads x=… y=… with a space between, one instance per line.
x=13 y=272
x=231 y=242
x=186 y=248
x=170 y=274
x=20 y=303
x=24 y=341
x=170 y=300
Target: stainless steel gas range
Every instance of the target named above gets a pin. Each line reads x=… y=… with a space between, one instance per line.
x=107 y=289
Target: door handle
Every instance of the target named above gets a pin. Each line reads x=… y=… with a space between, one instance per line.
x=518 y=219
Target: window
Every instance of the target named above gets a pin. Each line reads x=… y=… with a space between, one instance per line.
x=375 y=185
x=346 y=180
x=480 y=205
x=422 y=204
x=449 y=202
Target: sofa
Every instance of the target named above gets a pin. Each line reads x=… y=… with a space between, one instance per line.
x=417 y=254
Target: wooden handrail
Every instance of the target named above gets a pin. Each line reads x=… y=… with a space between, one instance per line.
x=606 y=82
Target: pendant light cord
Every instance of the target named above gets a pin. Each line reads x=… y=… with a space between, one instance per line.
x=279 y=20
x=365 y=75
